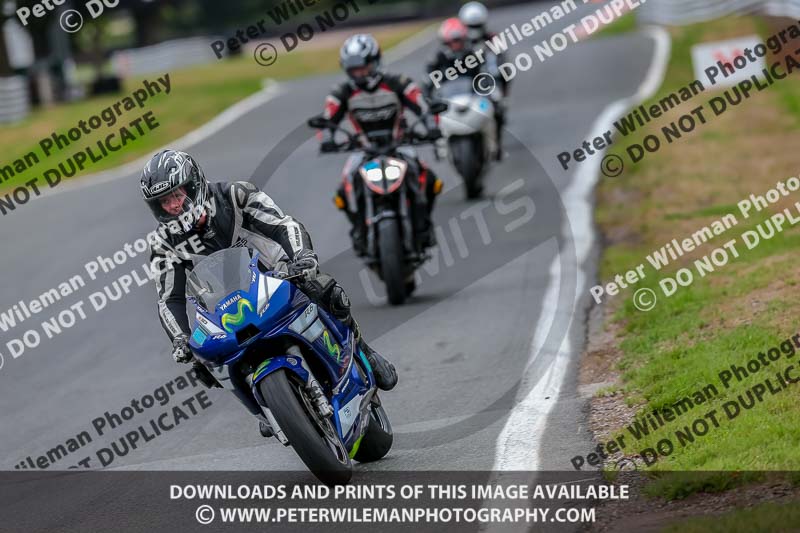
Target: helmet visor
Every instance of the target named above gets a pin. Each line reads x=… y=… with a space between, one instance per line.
x=476 y=33
x=455 y=44
x=176 y=205
x=362 y=71
x=365 y=77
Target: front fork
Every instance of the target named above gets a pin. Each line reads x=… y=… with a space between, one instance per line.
x=314 y=389
x=263 y=413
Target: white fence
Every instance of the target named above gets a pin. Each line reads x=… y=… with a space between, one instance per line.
x=680 y=12
x=164 y=57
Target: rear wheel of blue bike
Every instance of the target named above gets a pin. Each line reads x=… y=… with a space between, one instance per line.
x=377 y=440
x=313 y=438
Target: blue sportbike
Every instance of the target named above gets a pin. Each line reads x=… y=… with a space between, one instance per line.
x=293 y=365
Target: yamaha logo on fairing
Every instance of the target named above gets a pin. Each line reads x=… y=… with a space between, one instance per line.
x=230 y=301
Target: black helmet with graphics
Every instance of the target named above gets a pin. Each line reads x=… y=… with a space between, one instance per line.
x=175 y=176
x=360 y=57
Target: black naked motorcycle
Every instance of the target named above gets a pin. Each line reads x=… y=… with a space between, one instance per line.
x=393 y=248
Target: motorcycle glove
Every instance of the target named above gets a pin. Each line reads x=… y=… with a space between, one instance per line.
x=433 y=132
x=180 y=350
x=305 y=263
x=328 y=146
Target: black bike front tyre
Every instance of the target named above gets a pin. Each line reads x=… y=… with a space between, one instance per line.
x=392 y=260
x=281 y=392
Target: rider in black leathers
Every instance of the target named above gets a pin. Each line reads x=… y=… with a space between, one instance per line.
x=225 y=215
x=374 y=102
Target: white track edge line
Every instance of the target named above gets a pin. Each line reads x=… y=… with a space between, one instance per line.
x=221 y=121
x=517 y=447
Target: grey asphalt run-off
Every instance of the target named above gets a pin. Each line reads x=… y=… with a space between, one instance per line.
x=460 y=345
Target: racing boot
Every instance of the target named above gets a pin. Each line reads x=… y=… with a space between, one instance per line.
x=499 y=155
x=265 y=430
x=427 y=237
x=358 y=233
x=424 y=225
x=427 y=234
x=384 y=371
x=359 y=238
x=500 y=121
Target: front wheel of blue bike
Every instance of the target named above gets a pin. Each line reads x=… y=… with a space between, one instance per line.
x=313 y=438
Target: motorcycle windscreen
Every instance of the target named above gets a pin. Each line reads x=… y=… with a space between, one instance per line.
x=218 y=275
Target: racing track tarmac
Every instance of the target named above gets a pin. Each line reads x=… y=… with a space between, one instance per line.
x=460 y=345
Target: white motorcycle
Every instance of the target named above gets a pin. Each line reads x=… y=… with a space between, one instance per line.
x=469 y=133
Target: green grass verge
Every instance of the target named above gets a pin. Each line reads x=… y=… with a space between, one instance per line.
x=766 y=518
x=197 y=95
x=727 y=317
x=624 y=24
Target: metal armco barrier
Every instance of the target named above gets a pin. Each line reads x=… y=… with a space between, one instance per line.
x=163 y=57
x=14 y=103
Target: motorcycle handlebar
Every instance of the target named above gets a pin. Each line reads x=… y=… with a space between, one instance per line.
x=353 y=146
x=353 y=143
x=285 y=276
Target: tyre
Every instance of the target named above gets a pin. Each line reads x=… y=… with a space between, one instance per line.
x=467 y=154
x=314 y=440
x=392 y=260
x=377 y=440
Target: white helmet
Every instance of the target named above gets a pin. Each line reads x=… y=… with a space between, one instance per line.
x=474 y=16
